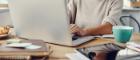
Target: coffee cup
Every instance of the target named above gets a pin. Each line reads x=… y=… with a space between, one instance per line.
x=122 y=34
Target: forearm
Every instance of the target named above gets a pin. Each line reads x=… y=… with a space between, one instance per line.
x=102 y=29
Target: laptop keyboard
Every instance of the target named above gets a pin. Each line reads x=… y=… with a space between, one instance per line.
x=76 y=37
x=77 y=40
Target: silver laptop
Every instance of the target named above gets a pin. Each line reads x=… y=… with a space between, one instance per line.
x=43 y=19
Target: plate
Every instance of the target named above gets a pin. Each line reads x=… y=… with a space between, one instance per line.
x=33 y=47
x=13 y=41
x=18 y=45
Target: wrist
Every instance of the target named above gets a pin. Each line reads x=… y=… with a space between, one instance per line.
x=84 y=32
x=88 y=32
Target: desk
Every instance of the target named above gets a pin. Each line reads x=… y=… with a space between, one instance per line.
x=60 y=51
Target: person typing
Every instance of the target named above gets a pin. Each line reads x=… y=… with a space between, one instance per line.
x=95 y=17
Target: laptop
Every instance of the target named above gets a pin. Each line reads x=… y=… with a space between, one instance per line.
x=43 y=19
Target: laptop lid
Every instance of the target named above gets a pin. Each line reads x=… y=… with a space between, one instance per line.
x=41 y=19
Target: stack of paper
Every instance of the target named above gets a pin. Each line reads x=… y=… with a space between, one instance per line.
x=104 y=36
x=108 y=36
x=134 y=46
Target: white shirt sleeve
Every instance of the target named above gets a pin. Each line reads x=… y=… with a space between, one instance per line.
x=114 y=13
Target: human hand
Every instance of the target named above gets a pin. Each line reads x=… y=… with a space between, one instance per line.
x=77 y=30
x=74 y=28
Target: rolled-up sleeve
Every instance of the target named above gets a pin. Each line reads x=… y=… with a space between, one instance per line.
x=114 y=13
x=72 y=10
